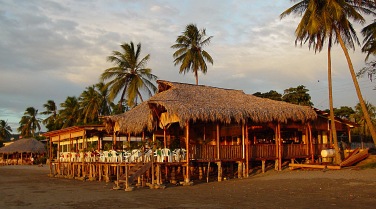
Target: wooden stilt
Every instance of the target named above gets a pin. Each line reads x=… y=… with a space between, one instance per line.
x=219 y=164
x=263 y=166
x=240 y=170
x=207 y=173
x=200 y=172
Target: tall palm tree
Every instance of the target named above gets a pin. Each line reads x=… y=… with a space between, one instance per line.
x=105 y=108
x=90 y=102
x=369 y=33
x=328 y=20
x=130 y=74
x=190 y=54
x=70 y=113
x=29 y=122
x=51 y=112
x=5 y=130
x=359 y=116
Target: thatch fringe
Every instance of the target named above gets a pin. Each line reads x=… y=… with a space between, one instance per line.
x=204 y=103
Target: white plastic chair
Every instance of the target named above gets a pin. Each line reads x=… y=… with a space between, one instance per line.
x=113 y=155
x=166 y=153
x=136 y=153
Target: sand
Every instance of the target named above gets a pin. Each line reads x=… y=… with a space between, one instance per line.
x=30 y=187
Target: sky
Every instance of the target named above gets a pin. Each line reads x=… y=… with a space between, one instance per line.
x=52 y=49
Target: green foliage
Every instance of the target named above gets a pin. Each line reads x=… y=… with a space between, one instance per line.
x=270 y=95
x=343 y=112
x=5 y=130
x=129 y=75
x=29 y=122
x=298 y=95
x=190 y=54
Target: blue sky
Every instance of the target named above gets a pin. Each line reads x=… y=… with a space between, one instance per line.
x=54 y=49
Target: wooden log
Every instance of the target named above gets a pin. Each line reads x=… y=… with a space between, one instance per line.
x=263 y=166
x=219 y=164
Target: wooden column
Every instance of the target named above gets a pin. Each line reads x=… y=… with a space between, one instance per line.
x=307 y=139
x=218 y=154
x=164 y=138
x=243 y=142
x=187 y=178
x=276 y=148
x=349 y=133
x=279 y=147
x=311 y=142
x=246 y=150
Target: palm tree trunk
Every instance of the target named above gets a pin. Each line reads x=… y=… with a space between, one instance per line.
x=357 y=88
x=338 y=159
x=196 y=76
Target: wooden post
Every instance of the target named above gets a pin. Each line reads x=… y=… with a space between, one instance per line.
x=187 y=177
x=311 y=142
x=279 y=147
x=218 y=154
x=164 y=138
x=240 y=169
x=246 y=150
x=263 y=166
x=207 y=173
x=276 y=148
x=219 y=164
x=349 y=133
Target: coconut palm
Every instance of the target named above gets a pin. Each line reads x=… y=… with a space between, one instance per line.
x=190 y=54
x=29 y=122
x=329 y=20
x=359 y=116
x=90 y=102
x=105 y=108
x=130 y=74
x=70 y=113
x=5 y=130
x=51 y=112
x=369 y=33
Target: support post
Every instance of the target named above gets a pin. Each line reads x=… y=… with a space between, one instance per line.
x=187 y=177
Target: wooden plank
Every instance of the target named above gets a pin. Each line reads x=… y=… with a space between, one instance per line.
x=307 y=166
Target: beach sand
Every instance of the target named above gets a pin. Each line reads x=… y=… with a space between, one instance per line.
x=30 y=187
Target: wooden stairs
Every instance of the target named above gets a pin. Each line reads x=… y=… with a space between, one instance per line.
x=135 y=172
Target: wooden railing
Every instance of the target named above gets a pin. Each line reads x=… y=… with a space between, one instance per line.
x=262 y=151
x=256 y=151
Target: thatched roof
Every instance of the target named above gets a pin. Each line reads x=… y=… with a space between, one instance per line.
x=189 y=102
x=205 y=103
x=134 y=121
x=29 y=145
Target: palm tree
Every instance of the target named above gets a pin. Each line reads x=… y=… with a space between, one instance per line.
x=90 y=102
x=189 y=51
x=369 y=33
x=70 y=113
x=323 y=20
x=5 y=130
x=29 y=122
x=51 y=112
x=130 y=74
x=105 y=108
x=359 y=116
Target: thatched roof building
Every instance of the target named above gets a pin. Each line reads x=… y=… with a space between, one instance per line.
x=180 y=102
x=29 y=145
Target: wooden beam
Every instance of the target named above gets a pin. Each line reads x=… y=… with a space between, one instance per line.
x=218 y=155
x=187 y=178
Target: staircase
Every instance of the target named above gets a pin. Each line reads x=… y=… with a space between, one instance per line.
x=135 y=172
